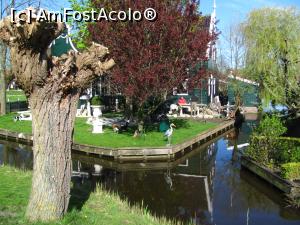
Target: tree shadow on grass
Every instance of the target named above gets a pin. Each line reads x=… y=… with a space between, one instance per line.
x=180 y=123
x=82 y=187
x=154 y=127
x=82 y=184
x=80 y=193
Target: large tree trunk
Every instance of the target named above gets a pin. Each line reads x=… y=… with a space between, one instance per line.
x=53 y=86
x=53 y=121
x=3 y=50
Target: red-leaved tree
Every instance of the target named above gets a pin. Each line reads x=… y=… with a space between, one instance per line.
x=153 y=57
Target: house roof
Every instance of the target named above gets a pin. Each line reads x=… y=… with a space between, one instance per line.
x=243 y=80
x=63 y=44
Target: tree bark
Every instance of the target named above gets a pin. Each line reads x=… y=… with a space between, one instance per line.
x=53 y=86
x=53 y=121
x=3 y=51
x=128 y=108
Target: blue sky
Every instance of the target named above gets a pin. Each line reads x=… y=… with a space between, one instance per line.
x=232 y=12
x=235 y=11
x=228 y=11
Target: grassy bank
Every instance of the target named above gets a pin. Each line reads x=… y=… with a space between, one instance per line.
x=100 y=208
x=185 y=130
x=15 y=96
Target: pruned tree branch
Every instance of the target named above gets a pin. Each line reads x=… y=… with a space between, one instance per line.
x=34 y=66
x=34 y=35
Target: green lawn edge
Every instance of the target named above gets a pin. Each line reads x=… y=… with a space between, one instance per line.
x=15 y=96
x=101 y=207
x=186 y=129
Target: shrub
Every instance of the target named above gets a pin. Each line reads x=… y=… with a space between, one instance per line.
x=290 y=171
x=295 y=202
x=289 y=149
x=270 y=126
x=295 y=154
x=264 y=147
x=96 y=100
x=259 y=150
x=272 y=152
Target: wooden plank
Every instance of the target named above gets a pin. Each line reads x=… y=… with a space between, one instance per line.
x=95 y=150
x=138 y=148
x=201 y=137
x=284 y=185
x=139 y=158
x=144 y=151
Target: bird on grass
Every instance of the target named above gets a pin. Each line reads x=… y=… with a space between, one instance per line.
x=168 y=134
x=121 y=125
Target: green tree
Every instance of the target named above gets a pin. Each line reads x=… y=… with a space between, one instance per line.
x=272 y=42
x=264 y=142
x=81 y=33
x=149 y=61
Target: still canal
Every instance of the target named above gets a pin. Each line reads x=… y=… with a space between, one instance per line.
x=205 y=186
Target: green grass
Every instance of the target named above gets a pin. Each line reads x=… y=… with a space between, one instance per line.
x=14 y=192
x=15 y=96
x=7 y=123
x=101 y=207
x=290 y=171
x=112 y=114
x=185 y=129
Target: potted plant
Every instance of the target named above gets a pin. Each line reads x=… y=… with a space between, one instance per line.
x=96 y=104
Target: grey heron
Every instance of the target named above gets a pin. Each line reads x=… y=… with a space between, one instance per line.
x=169 y=133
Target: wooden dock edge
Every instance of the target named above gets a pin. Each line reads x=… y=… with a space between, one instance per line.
x=135 y=153
x=284 y=185
x=141 y=166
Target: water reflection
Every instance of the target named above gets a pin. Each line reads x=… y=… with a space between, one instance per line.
x=204 y=186
x=16 y=155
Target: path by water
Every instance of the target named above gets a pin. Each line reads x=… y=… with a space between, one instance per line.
x=205 y=187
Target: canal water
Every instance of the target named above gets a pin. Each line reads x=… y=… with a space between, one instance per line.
x=206 y=186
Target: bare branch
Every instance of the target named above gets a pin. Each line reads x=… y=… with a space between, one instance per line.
x=34 y=67
x=36 y=35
